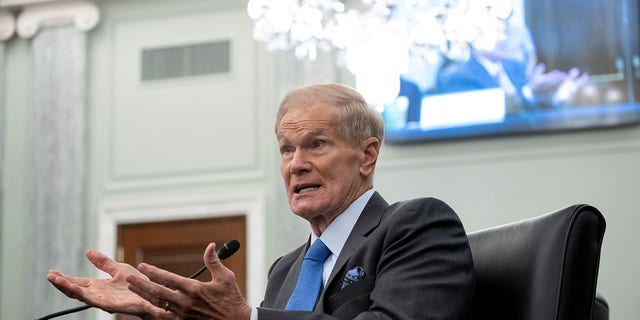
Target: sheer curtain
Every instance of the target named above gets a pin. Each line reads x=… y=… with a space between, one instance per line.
x=59 y=149
x=292 y=72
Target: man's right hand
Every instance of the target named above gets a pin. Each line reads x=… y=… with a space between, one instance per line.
x=545 y=83
x=111 y=295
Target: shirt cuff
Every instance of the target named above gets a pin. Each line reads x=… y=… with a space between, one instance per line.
x=254 y=314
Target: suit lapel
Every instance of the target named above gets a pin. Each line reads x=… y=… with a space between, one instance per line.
x=367 y=222
x=289 y=282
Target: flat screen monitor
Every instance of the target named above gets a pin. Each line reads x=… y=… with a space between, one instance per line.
x=563 y=65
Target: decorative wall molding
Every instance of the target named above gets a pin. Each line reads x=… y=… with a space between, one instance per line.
x=186 y=142
x=84 y=15
x=7 y=25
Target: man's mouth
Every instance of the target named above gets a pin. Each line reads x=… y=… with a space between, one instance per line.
x=305 y=189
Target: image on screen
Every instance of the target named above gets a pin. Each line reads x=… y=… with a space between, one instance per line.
x=561 y=65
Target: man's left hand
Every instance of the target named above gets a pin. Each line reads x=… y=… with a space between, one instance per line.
x=190 y=298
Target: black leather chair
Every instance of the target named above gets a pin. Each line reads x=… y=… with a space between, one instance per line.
x=543 y=268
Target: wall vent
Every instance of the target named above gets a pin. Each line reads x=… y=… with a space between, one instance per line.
x=185 y=61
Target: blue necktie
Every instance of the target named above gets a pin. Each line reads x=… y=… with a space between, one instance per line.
x=307 y=289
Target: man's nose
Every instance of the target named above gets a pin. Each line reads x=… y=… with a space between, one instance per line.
x=299 y=162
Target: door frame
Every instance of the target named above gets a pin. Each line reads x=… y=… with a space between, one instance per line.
x=252 y=206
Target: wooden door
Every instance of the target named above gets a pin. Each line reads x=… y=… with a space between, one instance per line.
x=178 y=246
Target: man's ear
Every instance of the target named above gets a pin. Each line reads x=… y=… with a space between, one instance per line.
x=370 y=148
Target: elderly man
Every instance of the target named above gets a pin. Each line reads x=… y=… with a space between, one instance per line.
x=364 y=259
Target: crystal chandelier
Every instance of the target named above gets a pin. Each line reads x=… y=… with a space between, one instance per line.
x=375 y=39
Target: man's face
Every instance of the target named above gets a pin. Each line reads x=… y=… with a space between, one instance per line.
x=321 y=172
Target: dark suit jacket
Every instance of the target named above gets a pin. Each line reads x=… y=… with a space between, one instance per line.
x=471 y=75
x=417 y=262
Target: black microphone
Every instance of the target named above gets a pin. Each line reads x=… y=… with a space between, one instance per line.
x=227 y=250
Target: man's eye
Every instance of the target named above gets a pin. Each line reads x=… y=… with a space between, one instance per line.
x=317 y=144
x=286 y=149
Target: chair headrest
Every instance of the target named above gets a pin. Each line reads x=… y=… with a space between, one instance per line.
x=540 y=268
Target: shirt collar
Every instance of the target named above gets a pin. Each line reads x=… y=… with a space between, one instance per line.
x=339 y=229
